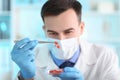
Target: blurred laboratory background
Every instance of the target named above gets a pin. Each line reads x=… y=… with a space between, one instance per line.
x=21 y=18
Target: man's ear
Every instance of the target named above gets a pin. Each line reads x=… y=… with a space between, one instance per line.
x=82 y=26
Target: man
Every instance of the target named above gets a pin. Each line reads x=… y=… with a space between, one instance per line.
x=78 y=59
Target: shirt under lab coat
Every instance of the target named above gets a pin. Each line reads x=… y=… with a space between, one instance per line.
x=95 y=62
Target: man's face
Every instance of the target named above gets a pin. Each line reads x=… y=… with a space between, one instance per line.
x=64 y=26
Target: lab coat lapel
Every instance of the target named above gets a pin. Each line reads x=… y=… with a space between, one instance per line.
x=86 y=59
x=88 y=53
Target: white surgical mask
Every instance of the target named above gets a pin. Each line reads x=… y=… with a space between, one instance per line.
x=67 y=48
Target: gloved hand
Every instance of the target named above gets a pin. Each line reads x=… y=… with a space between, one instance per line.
x=70 y=73
x=23 y=55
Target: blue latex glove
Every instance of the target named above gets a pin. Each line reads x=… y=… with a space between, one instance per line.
x=70 y=73
x=23 y=55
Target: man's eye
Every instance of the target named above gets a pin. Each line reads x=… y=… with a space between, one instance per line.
x=68 y=32
x=52 y=33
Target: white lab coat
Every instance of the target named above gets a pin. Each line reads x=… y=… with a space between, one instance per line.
x=95 y=63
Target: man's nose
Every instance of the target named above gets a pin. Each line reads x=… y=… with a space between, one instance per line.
x=61 y=37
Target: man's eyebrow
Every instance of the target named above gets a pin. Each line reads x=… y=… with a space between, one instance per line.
x=64 y=30
x=51 y=31
x=69 y=29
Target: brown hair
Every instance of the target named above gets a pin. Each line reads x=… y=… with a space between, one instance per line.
x=56 y=7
